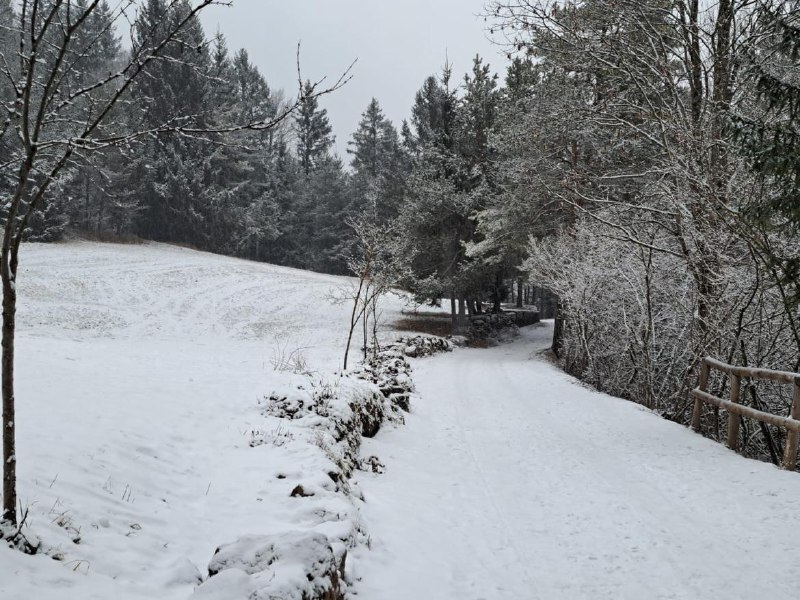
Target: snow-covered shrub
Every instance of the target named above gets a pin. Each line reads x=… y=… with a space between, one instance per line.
x=331 y=414
x=422 y=345
x=634 y=325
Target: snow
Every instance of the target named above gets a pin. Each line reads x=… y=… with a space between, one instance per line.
x=510 y=480
x=140 y=372
x=145 y=444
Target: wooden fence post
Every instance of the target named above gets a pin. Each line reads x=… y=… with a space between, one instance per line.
x=697 y=415
x=793 y=437
x=734 y=420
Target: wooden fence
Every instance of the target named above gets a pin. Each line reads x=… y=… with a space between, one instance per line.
x=736 y=410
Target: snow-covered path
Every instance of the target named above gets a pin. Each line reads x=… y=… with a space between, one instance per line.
x=510 y=480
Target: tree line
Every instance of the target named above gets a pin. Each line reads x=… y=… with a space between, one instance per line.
x=279 y=195
x=648 y=173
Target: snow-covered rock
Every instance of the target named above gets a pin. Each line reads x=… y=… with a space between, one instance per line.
x=296 y=565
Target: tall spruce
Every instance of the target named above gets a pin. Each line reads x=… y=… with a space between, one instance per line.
x=380 y=165
x=313 y=130
x=768 y=134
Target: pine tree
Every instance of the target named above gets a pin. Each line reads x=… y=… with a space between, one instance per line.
x=97 y=51
x=477 y=114
x=433 y=113
x=430 y=226
x=314 y=132
x=380 y=165
x=769 y=136
x=772 y=142
x=241 y=214
x=178 y=84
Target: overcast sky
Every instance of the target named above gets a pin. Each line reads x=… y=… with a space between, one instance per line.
x=397 y=43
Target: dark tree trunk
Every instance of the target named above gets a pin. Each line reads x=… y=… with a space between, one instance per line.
x=558 y=331
x=519 y=293
x=695 y=63
x=9 y=419
x=497 y=300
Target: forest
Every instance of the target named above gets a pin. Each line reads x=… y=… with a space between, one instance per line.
x=639 y=161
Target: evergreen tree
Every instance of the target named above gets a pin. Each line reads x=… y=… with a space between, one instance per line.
x=380 y=165
x=313 y=130
x=285 y=185
x=477 y=115
x=86 y=189
x=167 y=170
x=241 y=214
x=328 y=238
x=769 y=135
x=483 y=270
x=430 y=224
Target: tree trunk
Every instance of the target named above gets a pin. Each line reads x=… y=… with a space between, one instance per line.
x=9 y=419
x=365 y=323
x=462 y=314
x=497 y=300
x=519 y=292
x=558 y=331
x=453 y=313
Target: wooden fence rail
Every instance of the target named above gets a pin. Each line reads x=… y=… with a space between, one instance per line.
x=736 y=410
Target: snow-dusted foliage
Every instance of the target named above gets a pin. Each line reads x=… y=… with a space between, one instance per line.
x=615 y=155
x=631 y=325
x=323 y=418
x=327 y=416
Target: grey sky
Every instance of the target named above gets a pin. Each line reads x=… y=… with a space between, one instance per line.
x=397 y=43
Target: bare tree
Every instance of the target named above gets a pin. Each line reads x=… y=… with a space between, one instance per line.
x=372 y=267
x=42 y=130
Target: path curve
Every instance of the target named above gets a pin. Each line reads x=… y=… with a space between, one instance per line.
x=511 y=480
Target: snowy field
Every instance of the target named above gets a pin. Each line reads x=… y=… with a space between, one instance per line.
x=139 y=373
x=511 y=482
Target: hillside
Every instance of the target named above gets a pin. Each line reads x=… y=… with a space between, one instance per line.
x=139 y=373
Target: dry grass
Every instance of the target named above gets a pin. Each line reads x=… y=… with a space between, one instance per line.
x=428 y=323
x=104 y=237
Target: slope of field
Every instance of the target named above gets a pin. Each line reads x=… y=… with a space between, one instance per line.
x=139 y=372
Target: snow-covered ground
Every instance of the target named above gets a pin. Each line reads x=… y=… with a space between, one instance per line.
x=139 y=373
x=511 y=481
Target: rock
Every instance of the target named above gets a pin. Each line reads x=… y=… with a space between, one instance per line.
x=300 y=492
x=288 y=566
x=402 y=401
x=492 y=327
x=373 y=465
